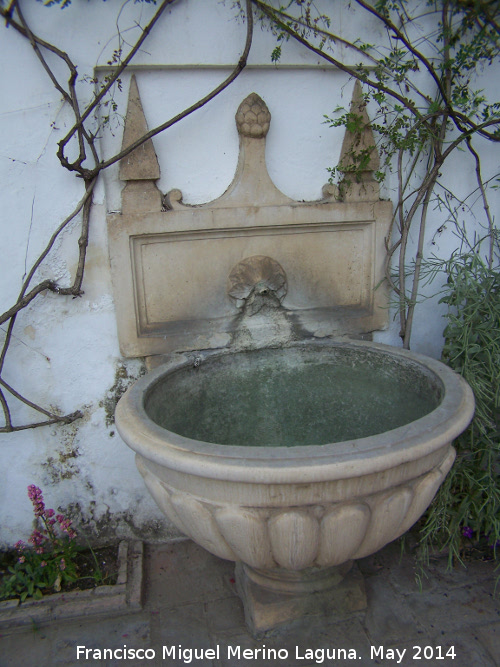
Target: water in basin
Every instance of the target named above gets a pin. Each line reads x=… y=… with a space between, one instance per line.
x=293 y=396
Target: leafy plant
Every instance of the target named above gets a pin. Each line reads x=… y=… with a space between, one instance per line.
x=467 y=506
x=50 y=561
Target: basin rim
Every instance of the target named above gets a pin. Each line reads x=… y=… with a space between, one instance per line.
x=298 y=464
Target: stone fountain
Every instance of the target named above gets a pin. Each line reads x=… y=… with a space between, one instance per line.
x=268 y=430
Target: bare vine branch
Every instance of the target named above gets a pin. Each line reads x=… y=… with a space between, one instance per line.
x=421 y=130
x=76 y=166
x=23 y=298
x=86 y=141
x=197 y=105
x=486 y=205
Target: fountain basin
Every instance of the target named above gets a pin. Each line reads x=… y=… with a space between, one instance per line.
x=377 y=423
x=292 y=459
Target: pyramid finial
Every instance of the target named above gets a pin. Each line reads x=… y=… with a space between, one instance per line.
x=142 y=163
x=359 y=153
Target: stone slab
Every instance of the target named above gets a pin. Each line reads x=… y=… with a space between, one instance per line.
x=181 y=573
x=389 y=615
x=489 y=637
x=445 y=610
x=312 y=641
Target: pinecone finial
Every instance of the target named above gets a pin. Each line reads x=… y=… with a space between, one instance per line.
x=253 y=117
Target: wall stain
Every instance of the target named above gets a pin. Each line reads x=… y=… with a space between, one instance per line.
x=125 y=375
x=109 y=526
x=64 y=464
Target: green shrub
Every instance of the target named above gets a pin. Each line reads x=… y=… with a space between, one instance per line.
x=466 y=509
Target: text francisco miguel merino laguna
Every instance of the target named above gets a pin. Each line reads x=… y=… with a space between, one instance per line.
x=191 y=655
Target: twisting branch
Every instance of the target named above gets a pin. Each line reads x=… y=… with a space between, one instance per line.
x=197 y=105
x=24 y=299
x=417 y=132
x=76 y=166
x=86 y=141
x=351 y=71
x=36 y=43
x=392 y=28
x=486 y=205
x=6 y=412
x=337 y=39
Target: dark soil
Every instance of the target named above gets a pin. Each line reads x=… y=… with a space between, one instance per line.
x=107 y=558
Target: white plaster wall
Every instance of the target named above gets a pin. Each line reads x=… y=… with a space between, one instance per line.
x=65 y=352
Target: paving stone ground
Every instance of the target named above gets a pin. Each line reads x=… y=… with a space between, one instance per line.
x=190 y=603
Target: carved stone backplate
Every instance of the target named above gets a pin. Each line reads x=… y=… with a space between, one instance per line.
x=171 y=262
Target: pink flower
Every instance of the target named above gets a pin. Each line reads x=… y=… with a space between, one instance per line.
x=65 y=525
x=19 y=546
x=35 y=495
x=37 y=539
x=62 y=564
x=43 y=563
x=21 y=559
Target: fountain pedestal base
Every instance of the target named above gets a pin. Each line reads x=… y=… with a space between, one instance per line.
x=273 y=598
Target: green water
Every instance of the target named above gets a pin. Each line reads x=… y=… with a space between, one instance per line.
x=292 y=397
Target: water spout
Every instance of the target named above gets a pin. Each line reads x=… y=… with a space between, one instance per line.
x=258 y=286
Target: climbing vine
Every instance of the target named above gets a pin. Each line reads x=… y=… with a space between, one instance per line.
x=78 y=153
x=423 y=78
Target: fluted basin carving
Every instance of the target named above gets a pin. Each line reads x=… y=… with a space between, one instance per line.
x=297 y=458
